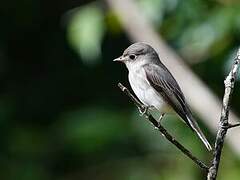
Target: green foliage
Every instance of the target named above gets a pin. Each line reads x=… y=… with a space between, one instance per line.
x=92 y=129
x=85 y=31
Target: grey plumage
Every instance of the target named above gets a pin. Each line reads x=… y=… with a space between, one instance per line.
x=155 y=86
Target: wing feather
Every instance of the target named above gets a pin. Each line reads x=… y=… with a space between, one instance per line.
x=165 y=84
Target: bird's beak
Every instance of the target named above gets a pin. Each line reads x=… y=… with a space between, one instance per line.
x=120 y=59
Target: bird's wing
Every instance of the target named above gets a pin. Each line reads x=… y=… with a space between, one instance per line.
x=165 y=84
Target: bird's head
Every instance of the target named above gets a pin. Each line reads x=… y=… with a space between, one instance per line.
x=136 y=53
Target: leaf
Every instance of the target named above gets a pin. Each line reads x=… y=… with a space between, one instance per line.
x=85 y=32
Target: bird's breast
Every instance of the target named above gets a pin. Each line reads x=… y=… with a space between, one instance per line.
x=143 y=90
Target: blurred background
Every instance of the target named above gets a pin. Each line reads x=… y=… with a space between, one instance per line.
x=62 y=115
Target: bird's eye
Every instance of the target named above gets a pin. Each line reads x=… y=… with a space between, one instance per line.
x=132 y=56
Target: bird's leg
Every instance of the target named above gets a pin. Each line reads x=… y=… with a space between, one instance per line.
x=160 y=118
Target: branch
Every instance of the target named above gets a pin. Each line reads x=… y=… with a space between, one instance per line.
x=223 y=123
x=164 y=132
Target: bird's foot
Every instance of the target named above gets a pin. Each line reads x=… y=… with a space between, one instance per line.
x=143 y=110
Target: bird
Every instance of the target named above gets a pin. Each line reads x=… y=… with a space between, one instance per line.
x=155 y=86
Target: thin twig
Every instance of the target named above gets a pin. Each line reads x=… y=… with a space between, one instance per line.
x=233 y=125
x=223 y=123
x=164 y=132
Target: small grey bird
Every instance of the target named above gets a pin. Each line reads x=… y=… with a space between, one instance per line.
x=155 y=86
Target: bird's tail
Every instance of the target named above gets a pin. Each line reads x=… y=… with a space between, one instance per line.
x=199 y=132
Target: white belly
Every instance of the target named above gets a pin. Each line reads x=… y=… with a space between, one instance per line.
x=145 y=93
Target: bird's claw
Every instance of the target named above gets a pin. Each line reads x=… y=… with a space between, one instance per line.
x=143 y=110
